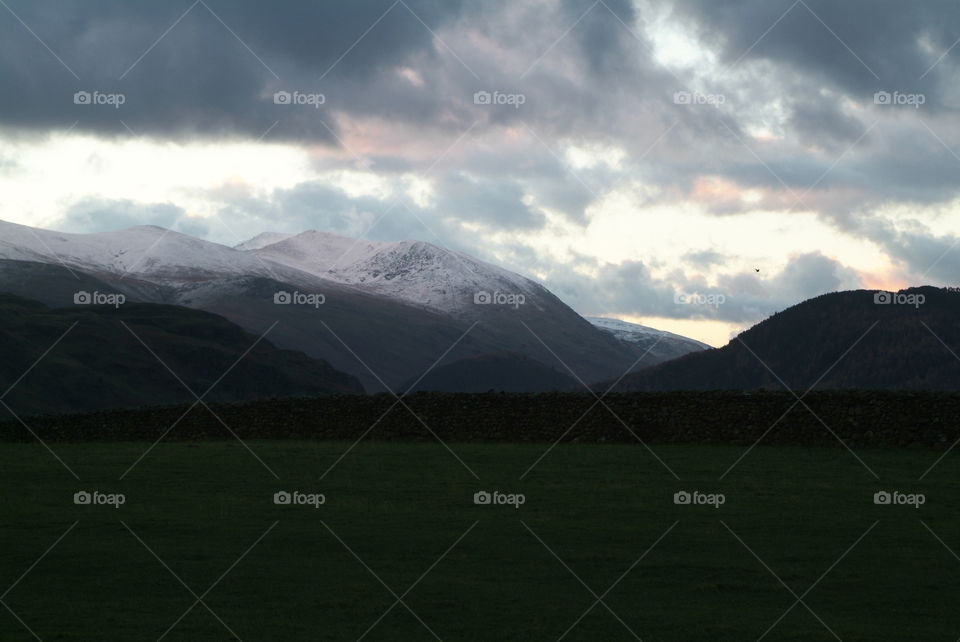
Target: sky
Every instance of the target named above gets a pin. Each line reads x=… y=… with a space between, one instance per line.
x=691 y=165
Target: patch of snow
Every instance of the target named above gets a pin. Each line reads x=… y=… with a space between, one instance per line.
x=138 y=251
x=413 y=271
x=262 y=240
x=634 y=332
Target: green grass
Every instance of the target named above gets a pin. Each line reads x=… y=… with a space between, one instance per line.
x=399 y=507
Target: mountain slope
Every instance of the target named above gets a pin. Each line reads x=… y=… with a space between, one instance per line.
x=390 y=309
x=145 y=251
x=511 y=313
x=844 y=337
x=100 y=363
x=416 y=272
x=660 y=344
x=262 y=240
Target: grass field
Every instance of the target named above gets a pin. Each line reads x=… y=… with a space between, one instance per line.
x=399 y=521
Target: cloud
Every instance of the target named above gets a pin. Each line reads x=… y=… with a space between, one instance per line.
x=203 y=77
x=704 y=259
x=923 y=256
x=499 y=204
x=826 y=123
x=857 y=46
x=630 y=288
x=8 y=164
x=808 y=275
x=319 y=205
x=598 y=130
x=99 y=215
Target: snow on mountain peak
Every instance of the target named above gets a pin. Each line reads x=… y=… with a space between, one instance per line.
x=414 y=271
x=262 y=240
x=143 y=250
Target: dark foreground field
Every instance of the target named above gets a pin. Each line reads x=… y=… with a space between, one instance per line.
x=399 y=551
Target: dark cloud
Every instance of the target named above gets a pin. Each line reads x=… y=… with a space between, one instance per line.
x=605 y=42
x=857 y=46
x=923 y=256
x=825 y=124
x=200 y=79
x=799 y=77
x=927 y=258
x=913 y=163
x=417 y=62
x=310 y=205
x=495 y=203
x=391 y=217
x=808 y=275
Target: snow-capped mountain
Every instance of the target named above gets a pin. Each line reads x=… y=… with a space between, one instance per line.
x=419 y=273
x=142 y=252
x=390 y=309
x=635 y=332
x=660 y=343
x=262 y=240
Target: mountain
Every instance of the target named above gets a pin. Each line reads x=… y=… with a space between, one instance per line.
x=660 y=344
x=499 y=372
x=419 y=273
x=262 y=240
x=846 y=338
x=102 y=364
x=145 y=252
x=387 y=311
x=511 y=313
x=395 y=340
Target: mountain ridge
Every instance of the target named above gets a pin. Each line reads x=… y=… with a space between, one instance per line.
x=850 y=339
x=418 y=272
x=389 y=310
x=646 y=341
